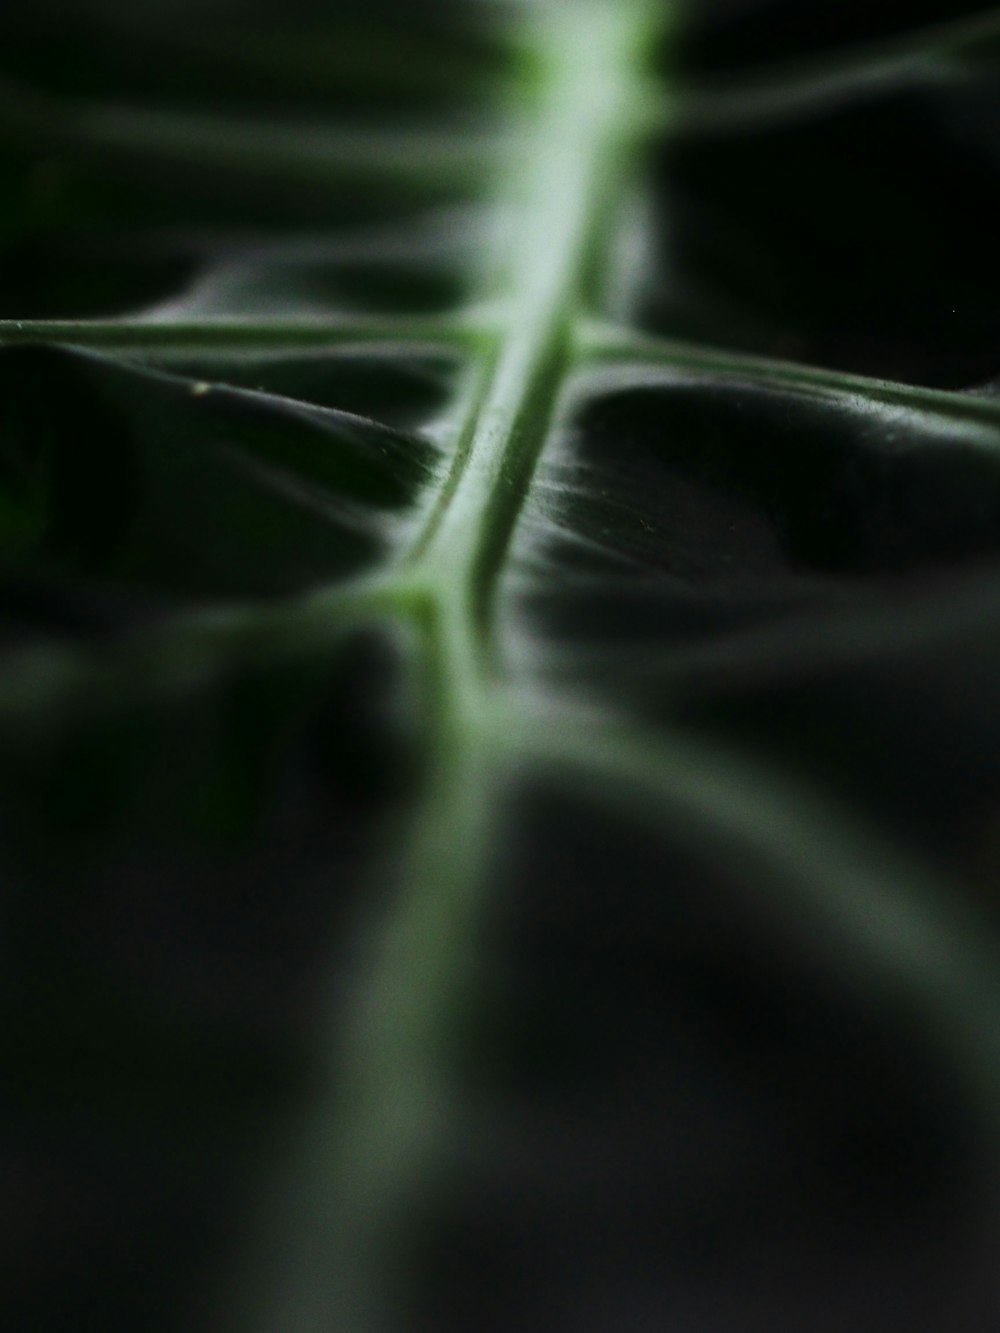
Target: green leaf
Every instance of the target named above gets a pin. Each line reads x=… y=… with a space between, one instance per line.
x=499 y=531
x=195 y=488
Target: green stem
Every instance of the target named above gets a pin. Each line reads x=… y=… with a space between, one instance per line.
x=369 y=1150
x=574 y=167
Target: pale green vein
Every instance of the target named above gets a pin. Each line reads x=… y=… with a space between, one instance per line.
x=53 y=686
x=461 y=330
x=367 y=1153
x=456 y=158
x=420 y=159
x=369 y=1145
x=911 y=942
x=569 y=174
x=915 y=621
x=623 y=359
x=938 y=54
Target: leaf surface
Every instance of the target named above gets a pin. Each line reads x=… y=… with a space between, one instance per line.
x=499 y=522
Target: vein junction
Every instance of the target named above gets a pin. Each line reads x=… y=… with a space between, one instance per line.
x=583 y=73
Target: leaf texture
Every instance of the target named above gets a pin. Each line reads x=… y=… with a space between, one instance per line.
x=499 y=522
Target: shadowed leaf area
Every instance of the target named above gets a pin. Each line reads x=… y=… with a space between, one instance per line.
x=499 y=643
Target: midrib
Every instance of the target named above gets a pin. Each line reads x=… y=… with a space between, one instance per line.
x=370 y=1148
x=573 y=164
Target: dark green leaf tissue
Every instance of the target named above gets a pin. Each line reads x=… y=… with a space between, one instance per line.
x=500 y=666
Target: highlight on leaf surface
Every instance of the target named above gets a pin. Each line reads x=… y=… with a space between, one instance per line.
x=499 y=536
